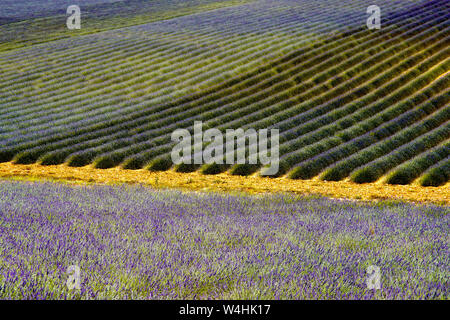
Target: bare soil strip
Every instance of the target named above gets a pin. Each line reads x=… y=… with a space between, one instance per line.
x=226 y=182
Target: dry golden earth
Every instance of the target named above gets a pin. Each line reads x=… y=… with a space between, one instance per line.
x=226 y=182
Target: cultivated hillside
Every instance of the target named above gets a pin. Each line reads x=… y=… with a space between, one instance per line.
x=349 y=102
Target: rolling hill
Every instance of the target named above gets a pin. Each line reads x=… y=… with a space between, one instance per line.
x=350 y=103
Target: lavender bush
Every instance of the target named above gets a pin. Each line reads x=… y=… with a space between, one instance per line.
x=133 y=242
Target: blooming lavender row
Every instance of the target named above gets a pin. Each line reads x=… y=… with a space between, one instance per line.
x=133 y=242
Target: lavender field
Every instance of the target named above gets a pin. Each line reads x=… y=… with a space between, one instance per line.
x=133 y=242
x=348 y=101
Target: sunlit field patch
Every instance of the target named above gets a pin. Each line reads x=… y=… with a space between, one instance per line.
x=227 y=182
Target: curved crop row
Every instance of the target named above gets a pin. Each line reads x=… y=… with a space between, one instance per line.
x=412 y=169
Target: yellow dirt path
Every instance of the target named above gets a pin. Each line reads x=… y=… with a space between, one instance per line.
x=226 y=182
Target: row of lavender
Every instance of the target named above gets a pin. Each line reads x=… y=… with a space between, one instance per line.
x=134 y=242
x=317 y=89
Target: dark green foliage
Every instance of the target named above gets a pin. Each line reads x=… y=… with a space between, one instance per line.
x=53 y=158
x=161 y=164
x=134 y=163
x=185 y=168
x=26 y=157
x=80 y=159
x=409 y=171
x=436 y=176
x=6 y=155
x=214 y=168
x=366 y=175
x=244 y=169
x=107 y=162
